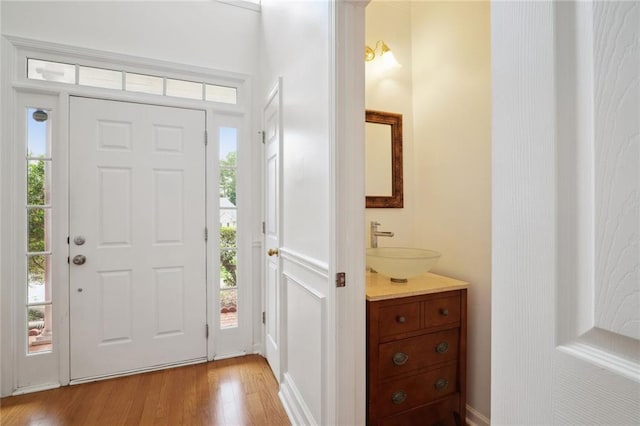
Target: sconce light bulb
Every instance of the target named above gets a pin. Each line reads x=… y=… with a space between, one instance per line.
x=369 y=54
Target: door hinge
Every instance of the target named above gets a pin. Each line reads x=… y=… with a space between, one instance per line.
x=264 y=317
x=341 y=279
x=206 y=138
x=68 y=240
x=262 y=135
x=68 y=260
x=206 y=234
x=263 y=227
x=206 y=331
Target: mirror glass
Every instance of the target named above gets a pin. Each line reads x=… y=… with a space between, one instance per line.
x=378 y=160
x=383 y=160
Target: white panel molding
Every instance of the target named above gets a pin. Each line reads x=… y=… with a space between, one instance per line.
x=475 y=418
x=317 y=267
x=565 y=92
x=292 y=281
x=294 y=404
x=597 y=230
x=604 y=358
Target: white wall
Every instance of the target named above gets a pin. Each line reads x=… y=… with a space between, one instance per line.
x=295 y=46
x=207 y=34
x=448 y=158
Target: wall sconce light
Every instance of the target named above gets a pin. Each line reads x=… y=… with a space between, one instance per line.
x=385 y=54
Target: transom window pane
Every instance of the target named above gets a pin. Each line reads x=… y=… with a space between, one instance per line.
x=227 y=95
x=51 y=71
x=184 y=89
x=145 y=84
x=100 y=77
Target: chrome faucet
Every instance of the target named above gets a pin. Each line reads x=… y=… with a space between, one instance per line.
x=375 y=233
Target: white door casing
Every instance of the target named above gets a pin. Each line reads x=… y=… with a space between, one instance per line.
x=137 y=197
x=272 y=140
x=566 y=213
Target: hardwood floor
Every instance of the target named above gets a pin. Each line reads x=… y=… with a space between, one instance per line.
x=232 y=392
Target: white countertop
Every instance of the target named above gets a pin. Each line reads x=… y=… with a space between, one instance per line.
x=380 y=288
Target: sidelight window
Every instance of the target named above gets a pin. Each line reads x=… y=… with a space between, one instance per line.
x=228 y=227
x=38 y=162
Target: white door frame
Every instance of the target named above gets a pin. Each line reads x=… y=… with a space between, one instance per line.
x=14 y=82
x=347 y=404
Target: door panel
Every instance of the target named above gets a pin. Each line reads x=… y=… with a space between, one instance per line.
x=272 y=129
x=137 y=198
x=566 y=191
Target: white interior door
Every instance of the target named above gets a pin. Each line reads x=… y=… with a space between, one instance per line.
x=566 y=213
x=272 y=129
x=137 y=248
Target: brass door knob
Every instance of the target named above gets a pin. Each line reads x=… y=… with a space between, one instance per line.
x=273 y=252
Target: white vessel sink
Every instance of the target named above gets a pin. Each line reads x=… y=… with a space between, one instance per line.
x=400 y=263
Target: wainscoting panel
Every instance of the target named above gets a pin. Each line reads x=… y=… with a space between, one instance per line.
x=303 y=391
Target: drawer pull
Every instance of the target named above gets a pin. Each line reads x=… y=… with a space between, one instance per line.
x=441 y=384
x=399 y=397
x=401 y=319
x=444 y=312
x=400 y=358
x=442 y=347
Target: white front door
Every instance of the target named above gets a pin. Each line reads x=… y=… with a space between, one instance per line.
x=271 y=120
x=566 y=213
x=137 y=247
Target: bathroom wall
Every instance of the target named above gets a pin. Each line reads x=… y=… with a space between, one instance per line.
x=448 y=160
x=390 y=90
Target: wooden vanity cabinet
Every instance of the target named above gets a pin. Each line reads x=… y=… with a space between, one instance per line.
x=416 y=360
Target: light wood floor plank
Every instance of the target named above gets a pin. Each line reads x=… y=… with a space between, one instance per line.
x=233 y=392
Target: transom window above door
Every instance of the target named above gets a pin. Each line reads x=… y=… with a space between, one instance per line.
x=60 y=72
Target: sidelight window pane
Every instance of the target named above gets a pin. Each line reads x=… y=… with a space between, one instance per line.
x=39 y=333
x=37 y=277
x=38 y=133
x=228 y=308
x=38 y=178
x=37 y=229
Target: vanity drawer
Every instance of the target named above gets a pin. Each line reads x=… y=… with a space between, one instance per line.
x=441 y=413
x=400 y=318
x=414 y=353
x=403 y=394
x=442 y=311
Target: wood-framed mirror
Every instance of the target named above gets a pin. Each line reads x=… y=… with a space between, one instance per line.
x=383 y=160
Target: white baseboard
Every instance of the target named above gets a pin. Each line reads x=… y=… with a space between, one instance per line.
x=35 y=388
x=475 y=418
x=293 y=403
